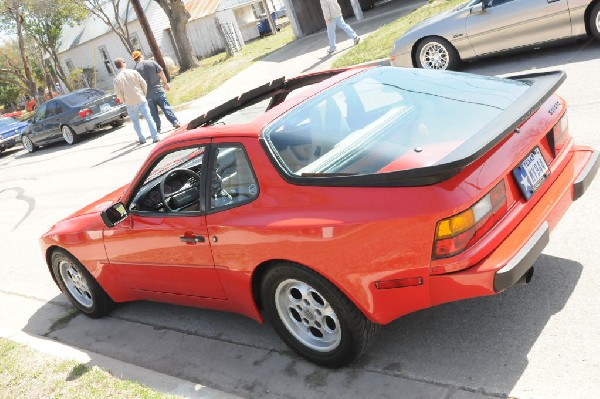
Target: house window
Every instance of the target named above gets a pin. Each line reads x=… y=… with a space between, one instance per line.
x=259 y=10
x=70 y=65
x=136 y=43
x=106 y=60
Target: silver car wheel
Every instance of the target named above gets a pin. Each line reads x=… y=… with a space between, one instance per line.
x=307 y=315
x=27 y=143
x=76 y=284
x=598 y=21
x=68 y=134
x=434 y=56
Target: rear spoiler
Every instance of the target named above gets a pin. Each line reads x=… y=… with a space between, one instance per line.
x=542 y=86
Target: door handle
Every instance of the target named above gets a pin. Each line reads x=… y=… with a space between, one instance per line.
x=191 y=239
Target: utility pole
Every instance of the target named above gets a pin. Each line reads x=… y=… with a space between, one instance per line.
x=150 y=36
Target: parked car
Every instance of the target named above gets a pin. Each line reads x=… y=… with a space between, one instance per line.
x=67 y=117
x=479 y=28
x=9 y=132
x=334 y=203
x=14 y=114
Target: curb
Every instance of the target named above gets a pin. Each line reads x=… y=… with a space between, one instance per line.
x=157 y=381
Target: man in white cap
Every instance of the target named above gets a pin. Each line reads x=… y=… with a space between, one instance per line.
x=333 y=18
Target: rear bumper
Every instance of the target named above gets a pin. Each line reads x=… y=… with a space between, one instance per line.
x=515 y=256
x=100 y=120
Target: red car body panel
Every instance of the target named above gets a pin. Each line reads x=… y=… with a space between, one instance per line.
x=353 y=236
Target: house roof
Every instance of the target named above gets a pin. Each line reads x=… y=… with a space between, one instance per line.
x=92 y=27
x=201 y=8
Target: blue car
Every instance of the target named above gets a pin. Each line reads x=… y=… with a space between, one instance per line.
x=9 y=132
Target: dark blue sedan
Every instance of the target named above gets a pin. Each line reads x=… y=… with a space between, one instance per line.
x=67 y=117
x=9 y=132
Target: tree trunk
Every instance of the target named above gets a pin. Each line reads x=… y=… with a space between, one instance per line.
x=178 y=19
x=30 y=82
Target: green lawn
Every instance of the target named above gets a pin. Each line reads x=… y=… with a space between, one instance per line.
x=25 y=373
x=379 y=44
x=215 y=70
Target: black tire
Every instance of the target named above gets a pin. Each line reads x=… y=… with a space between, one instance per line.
x=69 y=135
x=79 y=286
x=436 y=53
x=28 y=144
x=118 y=123
x=322 y=324
x=595 y=21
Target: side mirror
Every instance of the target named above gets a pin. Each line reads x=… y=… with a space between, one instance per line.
x=478 y=8
x=114 y=214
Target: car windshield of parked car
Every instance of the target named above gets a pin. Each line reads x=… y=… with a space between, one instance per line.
x=80 y=97
x=387 y=119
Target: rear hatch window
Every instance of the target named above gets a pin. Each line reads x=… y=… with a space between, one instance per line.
x=386 y=120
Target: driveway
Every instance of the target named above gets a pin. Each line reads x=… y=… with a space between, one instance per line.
x=534 y=341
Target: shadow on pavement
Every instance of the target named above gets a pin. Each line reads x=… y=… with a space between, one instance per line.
x=474 y=345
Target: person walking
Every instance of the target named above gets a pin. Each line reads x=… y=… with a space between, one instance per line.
x=131 y=88
x=153 y=75
x=334 y=19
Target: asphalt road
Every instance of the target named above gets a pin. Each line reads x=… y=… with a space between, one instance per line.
x=534 y=341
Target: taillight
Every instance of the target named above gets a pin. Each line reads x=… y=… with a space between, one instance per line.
x=85 y=112
x=118 y=101
x=559 y=133
x=457 y=233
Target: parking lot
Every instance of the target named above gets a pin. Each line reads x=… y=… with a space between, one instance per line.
x=534 y=341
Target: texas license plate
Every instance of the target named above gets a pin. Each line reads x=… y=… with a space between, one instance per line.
x=531 y=172
x=104 y=107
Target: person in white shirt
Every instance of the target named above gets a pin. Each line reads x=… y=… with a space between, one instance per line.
x=131 y=88
x=333 y=18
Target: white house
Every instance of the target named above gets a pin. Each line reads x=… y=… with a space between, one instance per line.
x=93 y=45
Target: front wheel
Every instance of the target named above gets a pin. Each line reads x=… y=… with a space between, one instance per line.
x=77 y=283
x=595 y=21
x=69 y=135
x=314 y=318
x=436 y=53
x=28 y=144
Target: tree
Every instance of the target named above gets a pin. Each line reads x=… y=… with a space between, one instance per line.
x=44 y=22
x=12 y=18
x=178 y=19
x=110 y=12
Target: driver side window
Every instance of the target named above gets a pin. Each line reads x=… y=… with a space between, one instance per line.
x=173 y=185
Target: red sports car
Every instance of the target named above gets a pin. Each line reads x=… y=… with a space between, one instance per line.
x=334 y=203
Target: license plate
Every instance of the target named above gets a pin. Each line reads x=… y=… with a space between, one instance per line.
x=104 y=107
x=531 y=172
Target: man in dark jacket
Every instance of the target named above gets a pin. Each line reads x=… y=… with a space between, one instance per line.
x=153 y=75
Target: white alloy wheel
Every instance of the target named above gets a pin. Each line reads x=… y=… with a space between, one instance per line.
x=76 y=284
x=68 y=134
x=28 y=144
x=307 y=315
x=434 y=55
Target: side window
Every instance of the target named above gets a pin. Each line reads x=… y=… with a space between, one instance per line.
x=173 y=185
x=51 y=109
x=41 y=112
x=233 y=181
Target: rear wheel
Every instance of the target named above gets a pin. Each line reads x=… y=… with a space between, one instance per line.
x=436 y=53
x=595 y=21
x=118 y=123
x=28 y=144
x=313 y=317
x=78 y=284
x=69 y=135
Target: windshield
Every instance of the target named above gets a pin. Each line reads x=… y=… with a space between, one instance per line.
x=387 y=119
